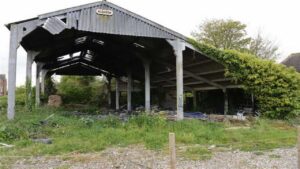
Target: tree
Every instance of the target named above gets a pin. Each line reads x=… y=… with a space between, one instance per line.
x=263 y=47
x=223 y=34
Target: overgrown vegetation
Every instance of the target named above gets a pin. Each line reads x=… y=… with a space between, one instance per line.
x=73 y=134
x=82 y=90
x=276 y=87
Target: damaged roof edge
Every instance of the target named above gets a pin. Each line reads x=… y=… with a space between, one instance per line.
x=18 y=22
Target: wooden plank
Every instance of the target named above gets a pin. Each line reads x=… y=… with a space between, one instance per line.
x=172 y=148
x=298 y=146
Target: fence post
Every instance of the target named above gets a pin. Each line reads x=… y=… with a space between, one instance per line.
x=298 y=146
x=172 y=151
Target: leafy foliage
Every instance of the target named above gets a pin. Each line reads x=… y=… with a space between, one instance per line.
x=81 y=89
x=223 y=34
x=231 y=34
x=276 y=87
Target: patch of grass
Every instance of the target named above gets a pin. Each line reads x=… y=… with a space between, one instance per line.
x=72 y=134
x=197 y=153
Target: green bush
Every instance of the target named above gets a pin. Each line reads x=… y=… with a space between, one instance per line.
x=3 y=102
x=20 y=98
x=81 y=90
x=276 y=87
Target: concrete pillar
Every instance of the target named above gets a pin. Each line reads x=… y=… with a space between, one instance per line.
x=12 y=66
x=38 y=85
x=109 y=91
x=225 y=102
x=194 y=100
x=178 y=48
x=29 y=80
x=117 y=94
x=43 y=77
x=129 y=91
x=147 y=87
x=252 y=103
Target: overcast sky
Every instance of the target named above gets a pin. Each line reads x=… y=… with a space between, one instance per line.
x=278 y=20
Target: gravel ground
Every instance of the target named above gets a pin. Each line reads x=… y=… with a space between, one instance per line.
x=139 y=158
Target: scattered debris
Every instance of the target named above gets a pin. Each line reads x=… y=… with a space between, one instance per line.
x=54 y=101
x=6 y=145
x=42 y=140
x=211 y=147
x=45 y=122
x=196 y=115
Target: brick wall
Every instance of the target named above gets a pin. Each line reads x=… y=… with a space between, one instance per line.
x=3 y=85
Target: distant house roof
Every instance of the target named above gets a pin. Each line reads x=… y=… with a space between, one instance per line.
x=293 y=61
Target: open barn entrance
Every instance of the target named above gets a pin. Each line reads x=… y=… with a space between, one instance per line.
x=104 y=39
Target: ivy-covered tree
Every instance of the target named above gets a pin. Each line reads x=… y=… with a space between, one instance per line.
x=276 y=87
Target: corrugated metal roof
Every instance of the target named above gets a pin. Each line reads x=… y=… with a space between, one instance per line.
x=293 y=61
x=122 y=22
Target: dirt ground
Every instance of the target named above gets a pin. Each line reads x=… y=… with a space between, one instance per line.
x=135 y=157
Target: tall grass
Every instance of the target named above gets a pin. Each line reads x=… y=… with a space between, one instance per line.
x=72 y=134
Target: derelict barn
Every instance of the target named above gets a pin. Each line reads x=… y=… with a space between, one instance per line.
x=102 y=38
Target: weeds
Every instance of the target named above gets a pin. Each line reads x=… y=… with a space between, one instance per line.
x=73 y=134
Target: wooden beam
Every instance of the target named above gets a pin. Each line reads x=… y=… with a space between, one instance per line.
x=186 y=76
x=200 y=82
x=215 y=88
x=187 y=66
x=193 y=75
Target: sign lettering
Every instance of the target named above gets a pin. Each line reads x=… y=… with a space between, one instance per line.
x=105 y=12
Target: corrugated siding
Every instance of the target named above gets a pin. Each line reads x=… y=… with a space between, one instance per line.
x=122 y=22
x=54 y=25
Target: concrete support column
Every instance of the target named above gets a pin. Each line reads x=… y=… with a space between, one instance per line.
x=43 y=76
x=37 y=85
x=117 y=94
x=12 y=66
x=29 y=80
x=194 y=100
x=147 y=87
x=225 y=102
x=129 y=91
x=109 y=91
x=178 y=48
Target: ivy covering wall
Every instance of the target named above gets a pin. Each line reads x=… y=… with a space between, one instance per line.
x=276 y=87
